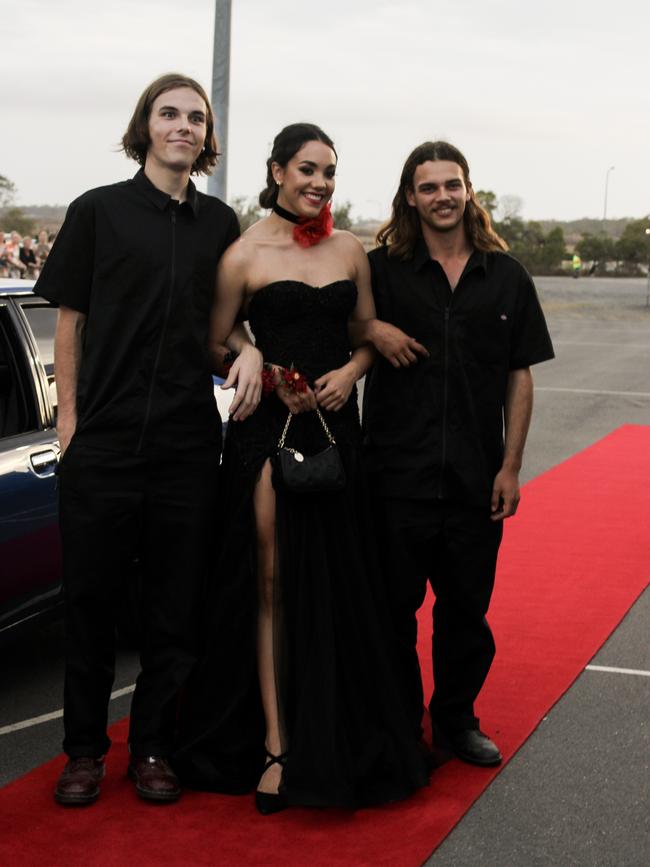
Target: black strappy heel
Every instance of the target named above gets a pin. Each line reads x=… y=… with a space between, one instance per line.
x=268 y=802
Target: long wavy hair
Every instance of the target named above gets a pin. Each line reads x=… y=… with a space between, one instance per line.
x=401 y=233
x=136 y=141
x=286 y=144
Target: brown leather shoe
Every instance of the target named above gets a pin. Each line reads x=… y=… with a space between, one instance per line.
x=154 y=779
x=78 y=784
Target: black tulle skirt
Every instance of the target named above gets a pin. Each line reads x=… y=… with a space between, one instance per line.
x=348 y=739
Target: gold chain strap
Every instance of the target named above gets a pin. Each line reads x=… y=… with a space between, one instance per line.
x=328 y=433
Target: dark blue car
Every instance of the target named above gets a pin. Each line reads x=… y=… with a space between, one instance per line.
x=30 y=555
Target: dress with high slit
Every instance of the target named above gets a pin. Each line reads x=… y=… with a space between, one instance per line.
x=342 y=717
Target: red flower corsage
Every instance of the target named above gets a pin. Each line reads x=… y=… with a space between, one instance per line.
x=293 y=379
x=311 y=231
x=268 y=379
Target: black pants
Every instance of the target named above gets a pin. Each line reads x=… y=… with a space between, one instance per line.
x=115 y=509
x=454 y=547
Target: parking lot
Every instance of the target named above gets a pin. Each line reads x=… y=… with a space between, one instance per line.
x=574 y=794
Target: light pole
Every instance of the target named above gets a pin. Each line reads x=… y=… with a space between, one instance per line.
x=647 y=289
x=610 y=169
x=217 y=182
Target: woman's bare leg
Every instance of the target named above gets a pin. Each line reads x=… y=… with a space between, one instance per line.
x=264 y=505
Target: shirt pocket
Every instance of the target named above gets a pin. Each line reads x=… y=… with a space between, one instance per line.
x=485 y=333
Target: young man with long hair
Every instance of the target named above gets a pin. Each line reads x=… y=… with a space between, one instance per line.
x=459 y=326
x=133 y=272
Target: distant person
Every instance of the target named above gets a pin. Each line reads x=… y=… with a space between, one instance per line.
x=576 y=265
x=462 y=326
x=17 y=268
x=4 y=258
x=133 y=271
x=27 y=256
x=43 y=247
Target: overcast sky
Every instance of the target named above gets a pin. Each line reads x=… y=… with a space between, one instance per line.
x=542 y=97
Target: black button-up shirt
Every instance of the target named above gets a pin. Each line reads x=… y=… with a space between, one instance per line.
x=142 y=268
x=435 y=430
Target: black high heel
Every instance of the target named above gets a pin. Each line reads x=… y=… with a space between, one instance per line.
x=269 y=802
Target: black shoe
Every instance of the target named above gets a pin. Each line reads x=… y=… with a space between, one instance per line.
x=154 y=779
x=269 y=802
x=78 y=785
x=474 y=747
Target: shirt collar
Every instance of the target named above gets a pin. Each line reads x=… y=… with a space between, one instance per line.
x=160 y=199
x=421 y=256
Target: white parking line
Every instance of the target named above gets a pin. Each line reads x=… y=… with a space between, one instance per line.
x=57 y=714
x=615 y=670
x=593 y=391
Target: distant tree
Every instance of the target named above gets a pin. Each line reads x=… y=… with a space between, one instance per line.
x=512 y=230
x=553 y=250
x=598 y=249
x=13 y=220
x=7 y=192
x=538 y=252
x=341 y=215
x=633 y=247
x=488 y=200
x=509 y=207
x=248 y=211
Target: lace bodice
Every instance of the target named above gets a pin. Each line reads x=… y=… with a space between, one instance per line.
x=294 y=323
x=303 y=325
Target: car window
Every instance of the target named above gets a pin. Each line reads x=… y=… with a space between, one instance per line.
x=17 y=409
x=42 y=321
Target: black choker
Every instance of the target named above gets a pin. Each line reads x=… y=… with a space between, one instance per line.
x=287 y=215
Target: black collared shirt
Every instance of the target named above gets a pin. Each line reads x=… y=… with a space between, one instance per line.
x=142 y=268
x=435 y=429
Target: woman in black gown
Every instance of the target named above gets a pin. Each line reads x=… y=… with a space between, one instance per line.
x=296 y=691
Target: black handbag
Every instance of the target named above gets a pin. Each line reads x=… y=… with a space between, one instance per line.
x=307 y=474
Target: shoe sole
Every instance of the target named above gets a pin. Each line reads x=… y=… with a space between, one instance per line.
x=149 y=795
x=472 y=760
x=76 y=800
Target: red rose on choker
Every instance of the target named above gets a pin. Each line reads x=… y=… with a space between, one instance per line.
x=310 y=232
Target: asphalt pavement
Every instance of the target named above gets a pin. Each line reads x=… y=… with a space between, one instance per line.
x=577 y=793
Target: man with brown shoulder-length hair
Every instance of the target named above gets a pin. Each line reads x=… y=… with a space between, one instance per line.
x=459 y=326
x=133 y=272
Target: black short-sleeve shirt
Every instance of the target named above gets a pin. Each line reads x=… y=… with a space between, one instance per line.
x=435 y=429
x=142 y=268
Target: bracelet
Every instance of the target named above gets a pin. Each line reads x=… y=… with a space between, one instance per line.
x=290 y=378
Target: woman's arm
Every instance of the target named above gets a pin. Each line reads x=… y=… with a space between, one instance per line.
x=333 y=388
x=245 y=372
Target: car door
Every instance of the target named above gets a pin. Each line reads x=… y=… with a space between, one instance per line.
x=30 y=554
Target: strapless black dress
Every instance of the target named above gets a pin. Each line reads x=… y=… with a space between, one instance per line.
x=348 y=739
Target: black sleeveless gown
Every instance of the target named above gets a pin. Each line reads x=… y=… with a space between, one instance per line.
x=348 y=739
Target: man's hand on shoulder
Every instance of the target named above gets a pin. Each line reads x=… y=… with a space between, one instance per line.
x=505 y=494
x=396 y=346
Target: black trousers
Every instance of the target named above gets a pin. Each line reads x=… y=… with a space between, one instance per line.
x=454 y=547
x=115 y=509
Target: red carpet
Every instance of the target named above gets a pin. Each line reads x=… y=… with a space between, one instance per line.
x=573 y=562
